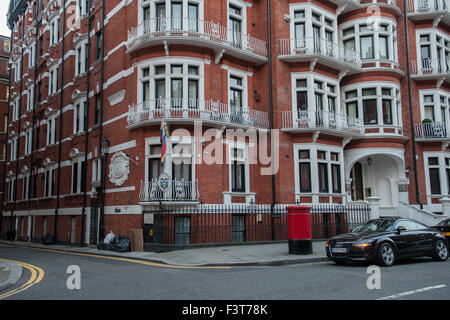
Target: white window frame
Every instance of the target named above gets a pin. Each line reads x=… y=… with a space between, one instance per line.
x=396 y=105
x=441 y=155
x=51 y=130
x=311 y=78
x=25 y=186
x=244 y=159
x=79 y=161
x=391 y=33
x=244 y=87
x=152 y=4
x=54 y=30
x=167 y=62
x=78 y=114
x=309 y=9
x=28 y=141
x=80 y=58
x=32 y=55
x=96 y=170
x=48 y=179
x=82 y=8
x=437 y=94
x=434 y=33
x=313 y=148
x=53 y=80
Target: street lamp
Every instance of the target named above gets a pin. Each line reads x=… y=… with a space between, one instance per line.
x=105 y=147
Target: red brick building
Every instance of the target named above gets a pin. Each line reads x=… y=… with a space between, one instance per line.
x=5 y=48
x=327 y=81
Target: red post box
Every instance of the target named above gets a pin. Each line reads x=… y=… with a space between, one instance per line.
x=299 y=230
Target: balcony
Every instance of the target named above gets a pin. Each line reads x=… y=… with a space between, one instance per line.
x=171 y=191
x=323 y=121
x=433 y=131
x=429 y=69
x=166 y=31
x=350 y=5
x=316 y=50
x=436 y=10
x=190 y=110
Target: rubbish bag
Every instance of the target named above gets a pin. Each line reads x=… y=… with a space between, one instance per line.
x=123 y=244
x=109 y=238
x=48 y=239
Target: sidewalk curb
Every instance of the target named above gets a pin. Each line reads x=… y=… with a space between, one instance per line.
x=105 y=253
x=15 y=272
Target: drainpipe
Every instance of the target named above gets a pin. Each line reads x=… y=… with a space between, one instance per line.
x=19 y=123
x=101 y=229
x=413 y=134
x=269 y=36
x=61 y=106
x=86 y=124
x=6 y=142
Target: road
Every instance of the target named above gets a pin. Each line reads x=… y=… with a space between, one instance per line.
x=109 y=278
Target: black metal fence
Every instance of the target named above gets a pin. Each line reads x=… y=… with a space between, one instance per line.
x=211 y=224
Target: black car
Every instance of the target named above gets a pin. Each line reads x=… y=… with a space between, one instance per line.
x=383 y=241
x=444 y=227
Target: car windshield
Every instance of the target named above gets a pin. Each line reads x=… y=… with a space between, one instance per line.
x=379 y=225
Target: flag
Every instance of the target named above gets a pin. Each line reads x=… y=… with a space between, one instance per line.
x=162 y=135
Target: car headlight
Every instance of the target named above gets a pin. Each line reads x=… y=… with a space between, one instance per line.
x=363 y=243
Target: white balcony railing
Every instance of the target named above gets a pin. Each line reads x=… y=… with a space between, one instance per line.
x=175 y=190
x=195 y=29
x=196 y=110
x=312 y=119
x=430 y=67
x=326 y=48
x=434 y=130
x=427 y=6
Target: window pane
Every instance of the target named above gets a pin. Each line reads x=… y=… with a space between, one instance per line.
x=303 y=154
x=387 y=111
x=302 y=100
x=370 y=112
x=323 y=177
x=435 y=182
x=367 y=47
x=305 y=176
x=336 y=177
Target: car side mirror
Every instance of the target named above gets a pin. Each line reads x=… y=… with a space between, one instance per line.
x=400 y=229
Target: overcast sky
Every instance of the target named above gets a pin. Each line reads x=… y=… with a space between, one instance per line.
x=4 y=30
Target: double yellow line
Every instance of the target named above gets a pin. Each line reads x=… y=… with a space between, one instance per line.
x=37 y=274
x=137 y=261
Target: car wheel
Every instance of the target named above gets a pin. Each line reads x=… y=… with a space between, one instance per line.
x=440 y=251
x=386 y=255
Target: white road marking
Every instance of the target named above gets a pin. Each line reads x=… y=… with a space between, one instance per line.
x=408 y=293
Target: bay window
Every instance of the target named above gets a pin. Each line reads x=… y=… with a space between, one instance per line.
x=379 y=104
x=374 y=42
x=309 y=19
x=175 y=15
x=176 y=84
x=318 y=169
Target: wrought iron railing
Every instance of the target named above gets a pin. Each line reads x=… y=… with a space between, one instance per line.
x=173 y=190
x=434 y=130
x=430 y=67
x=320 y=119
x=426 y=6
x=178 y=27
x=312 y=45
x=206 y=224
x=198 y=110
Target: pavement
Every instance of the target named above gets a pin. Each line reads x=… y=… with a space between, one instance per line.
x=10 y=273
x=276 y=253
